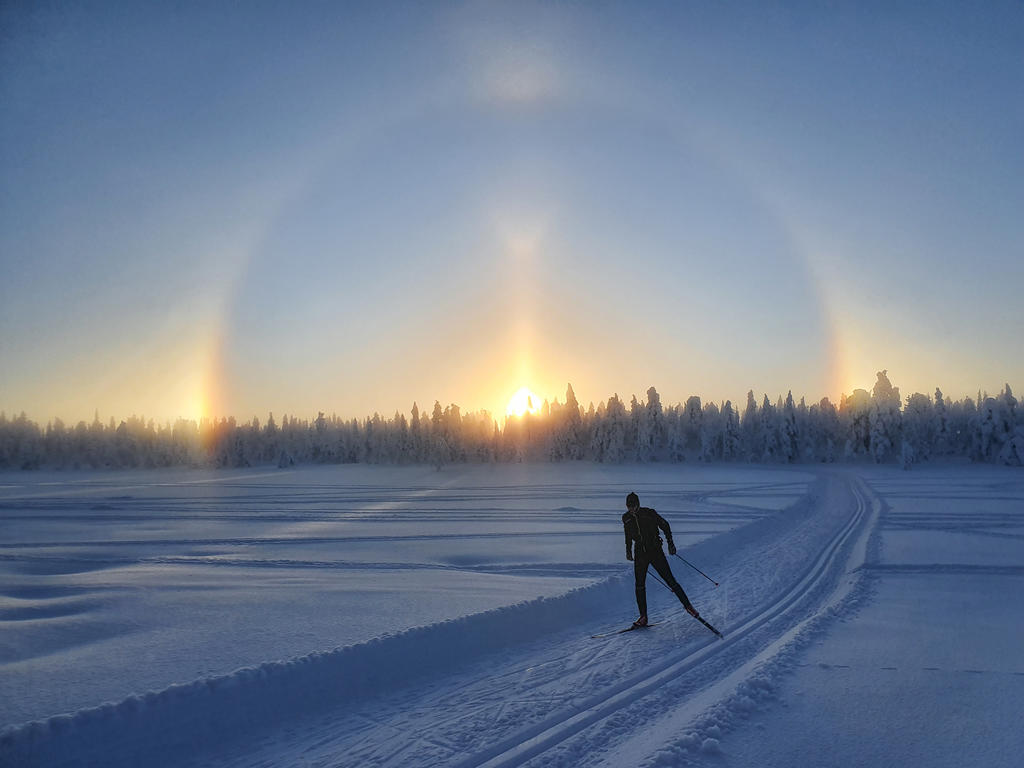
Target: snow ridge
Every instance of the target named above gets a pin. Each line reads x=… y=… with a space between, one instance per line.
x=182 y=718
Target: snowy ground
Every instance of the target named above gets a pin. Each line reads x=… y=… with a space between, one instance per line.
x=383 y=616
x=930 y=669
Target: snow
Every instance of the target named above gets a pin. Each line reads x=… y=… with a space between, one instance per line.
x=930 y=669
x=372 y=616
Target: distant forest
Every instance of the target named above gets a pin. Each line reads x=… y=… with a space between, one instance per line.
x=876 y=426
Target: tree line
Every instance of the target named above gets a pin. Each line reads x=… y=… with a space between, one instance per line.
x=876 y=426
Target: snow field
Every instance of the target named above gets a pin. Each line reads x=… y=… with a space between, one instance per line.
x=101 y=568
x=924 y=666
x=543 y=695
x=181 y=718
x=873 y=619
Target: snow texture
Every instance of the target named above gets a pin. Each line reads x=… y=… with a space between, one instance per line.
x=869 y=617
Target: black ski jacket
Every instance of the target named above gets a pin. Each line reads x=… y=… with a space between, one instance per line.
x=642 y=527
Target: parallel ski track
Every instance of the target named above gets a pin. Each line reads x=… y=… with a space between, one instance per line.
x=553 y=731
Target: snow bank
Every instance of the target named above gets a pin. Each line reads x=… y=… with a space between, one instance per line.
x=155 y=727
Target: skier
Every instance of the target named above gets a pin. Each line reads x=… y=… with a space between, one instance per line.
x=641 y=525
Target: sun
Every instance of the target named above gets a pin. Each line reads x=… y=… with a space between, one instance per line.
x=523 y=401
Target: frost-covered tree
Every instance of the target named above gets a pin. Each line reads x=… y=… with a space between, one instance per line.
x=805 y=448
x=885 y=418
x=711 y=433
x=693 y=423
x=994 y=426
x=437 y=419
x=829 y=436
x=59 y=446
x=1006 y=421
x=567 y=438
x=789 y=432
x=985 y=429
x=731 y=435
x=855 y=423
x=21 y=443
x=941 y=446
x=751 y=429
x=769 y=449
x=636 y=412
x=415 y=435
x=919 y=429
x=1012 y=452
x=615 y=429
x=651 y=437
x=674 y=439
x=962 y=420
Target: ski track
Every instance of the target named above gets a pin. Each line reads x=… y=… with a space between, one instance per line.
x=541 y=693
x=555 y=743
x=569 y=704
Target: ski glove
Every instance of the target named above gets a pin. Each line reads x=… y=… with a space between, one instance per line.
x=629 y=555
x=671 y=548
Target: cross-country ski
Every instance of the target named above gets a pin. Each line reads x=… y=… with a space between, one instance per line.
x=630 y=628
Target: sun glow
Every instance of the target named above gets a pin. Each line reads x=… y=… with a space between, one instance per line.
x=523 y=401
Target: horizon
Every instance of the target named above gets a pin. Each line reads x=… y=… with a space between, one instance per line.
x=500 y=419
x=356 y=209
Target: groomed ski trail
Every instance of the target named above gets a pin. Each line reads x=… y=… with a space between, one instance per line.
x=834 y=556
x=519 y=685
x=571 y=700
x=837 y=569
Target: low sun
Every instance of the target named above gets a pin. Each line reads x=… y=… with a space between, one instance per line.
x=524 y=401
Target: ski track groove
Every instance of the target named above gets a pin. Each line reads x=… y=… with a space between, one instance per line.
x=538 y=739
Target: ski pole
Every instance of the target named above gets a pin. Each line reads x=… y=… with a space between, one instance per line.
x=698 y=570
x=666 y=586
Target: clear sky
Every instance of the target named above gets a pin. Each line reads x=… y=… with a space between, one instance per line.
x=348 y=207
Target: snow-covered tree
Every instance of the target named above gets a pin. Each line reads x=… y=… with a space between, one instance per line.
x=566 y=434
x=693 y=423
x=829 y=431
x=941 y=446
x=876 y=425
x=731 y=435
x=770 y=448
x=789 y=432
x=712 y=430
x=885 y=418
x=651 y=438
x=615 y=428
x=919 y=429
x=751 y=430
x=855 y=422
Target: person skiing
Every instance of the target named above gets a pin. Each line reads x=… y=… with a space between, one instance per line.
x=641 y=526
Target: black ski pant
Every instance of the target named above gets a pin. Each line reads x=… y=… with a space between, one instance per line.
x=641 y=561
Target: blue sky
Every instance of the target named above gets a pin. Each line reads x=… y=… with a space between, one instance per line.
x=236 y=210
